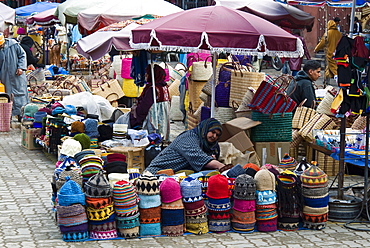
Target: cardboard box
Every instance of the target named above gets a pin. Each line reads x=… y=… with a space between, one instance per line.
x=28 y=138
x=271 y=152
x=234 y=132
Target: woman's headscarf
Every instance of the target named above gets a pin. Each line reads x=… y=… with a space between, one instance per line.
x=159 y=75
x=202 y=129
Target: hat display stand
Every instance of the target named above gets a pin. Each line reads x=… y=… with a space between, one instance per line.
x=359 y=224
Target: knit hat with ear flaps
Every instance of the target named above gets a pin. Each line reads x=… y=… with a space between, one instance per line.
x=147 y=184
x=70 y=147
x=170 y=190
x=265 y=180
x=98 y=186
x=218 y=187
x=314 y=177
x=245 y=187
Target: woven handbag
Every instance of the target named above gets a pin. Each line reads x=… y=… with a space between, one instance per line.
x=201 y=70
x=325 y=105
x=173 y=89
x=359 y=123
x=241 y=112
x=242 y=79
x=6 y=112
x=193 y=121
x=110 y=90
x=318 y=121
x=207 y=88
x=302 y=115
x=274 y=127
x=222 y=94
x=194 y=89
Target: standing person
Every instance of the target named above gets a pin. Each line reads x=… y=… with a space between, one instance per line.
x=194 y=149
x=27 y=43
x=304 y=87
x=143 y=114
x=12 y=65
x=330 y=41
x=357 y=27
x=295 y=64
x=337 y=21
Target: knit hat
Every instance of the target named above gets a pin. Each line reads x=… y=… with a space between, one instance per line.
x=314 y=177
x=153 y=229
x=266 y=197
x=196 y=219
x=266 y=213
x=315 y=218
x=301 y=167
x=91 y=128
x=128 y=223
x=272 y=168
x=218 y=215
x=242 y=228
x=147 y=184
x=149 y=201
x=150 y=215
x=243 y=217
x=100 y=214
x=314 y=226
x=127 y=211
x=124 y=193
x=21 y=31
x=191 y=190
x=317 y=202
x=197 y=228
x=129 y=233
x=70 y=110
x=98 y=186
x=105 y=132
x=170 y=190
x=172 y=217
x=315 y=192
x=83 y=139
x=71 y=215
x=244 y=206
x=104 y=231
x=288 y=224
x=251 y=169
x=112 y=157
x=236 y=171
x=173 y=231
x=77 y=127
x=218 y=187
x=315 y=211
x=46 y=110
x=57 y=111
x=223 y=225
x=265 y=180
x=168 y=172
x=71 y=193
x=115 y=177
x=70 y=147
x=287 y=162
x=267 y=225
x=71 y=174
x=72 y=229
x=222 y=204
x=75 y=236
x=39 y=115
x=173 y=205
x=245 y=187
x=116 y=167
x=78 y=156
x=29 y=111
x=98 y=202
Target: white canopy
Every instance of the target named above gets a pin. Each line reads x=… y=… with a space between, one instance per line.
x=7 y=15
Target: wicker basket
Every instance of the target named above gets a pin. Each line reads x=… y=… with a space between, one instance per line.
x=318 y=121
x=195 y=88
x=274 y=127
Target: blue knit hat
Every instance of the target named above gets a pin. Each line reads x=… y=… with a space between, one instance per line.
x=172 y=217
x=58 y=110
x=153 y=229
x=91 y=128
x=70 y=110
x=149 y=201
x=71 y=193
x=191 y=189
x=266 y=197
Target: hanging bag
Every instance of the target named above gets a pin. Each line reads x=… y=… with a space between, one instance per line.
x=6 y=105
x=110 y=90
x=201 y=70
x=302 y=115
x=192 y=119
x=222 y=94
x=318 y=121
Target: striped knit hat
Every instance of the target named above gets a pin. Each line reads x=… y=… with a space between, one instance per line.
x=314 y=177
x=287 y=162
x=124 y=194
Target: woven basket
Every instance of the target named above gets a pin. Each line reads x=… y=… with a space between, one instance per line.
x=302 y=115
x=174 y=88
x=240 y=81
x=296 y=139
x=359 y=123
x=274 y=127
x=318 y=121
x=6 y=114
x=325 y=105
x=195 y=88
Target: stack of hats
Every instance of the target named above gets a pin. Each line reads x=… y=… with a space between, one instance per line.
x=204 y=180
x=125 y=201
x=91 y=130
x=290 y=201
x=119 y=131
x=80 y=155
x=251 y=169
x=70 y=147
x=77 y=127
x=266 y=212
x=172 y=209
x=116 y=163
x=195 y=209
x=100 y=210
x=147 y=187
x=243 y=217
x=38 y=118
x=316 y=197
x=218 y=204
x=29 y=112
x=287 y=163
x=71 y=214
x=90 y=165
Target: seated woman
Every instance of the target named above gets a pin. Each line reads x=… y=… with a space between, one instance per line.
x=194 y=149
x=143 y=115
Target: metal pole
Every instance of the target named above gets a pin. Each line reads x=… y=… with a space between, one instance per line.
x=213 y=95
x=154 y=96
x=341 y=156
x=352 y=21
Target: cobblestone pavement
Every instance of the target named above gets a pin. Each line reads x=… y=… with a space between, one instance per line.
x=26 y=218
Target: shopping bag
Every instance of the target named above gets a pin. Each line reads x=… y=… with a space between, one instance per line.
x=110 y=90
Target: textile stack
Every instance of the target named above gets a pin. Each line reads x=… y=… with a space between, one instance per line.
x=266 y=209
x=71 y=214
x=116 y=168
x=125 y=201
x=218 y=204
x=90 y=166
x=100 y=209
x=172 y=208
x=147 y=187
x=316 y=197
x=243 y=217
x=195 y=208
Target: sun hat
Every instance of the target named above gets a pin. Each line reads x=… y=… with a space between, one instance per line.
x=170 y=190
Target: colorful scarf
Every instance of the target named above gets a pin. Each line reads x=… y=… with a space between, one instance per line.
x=202 y=129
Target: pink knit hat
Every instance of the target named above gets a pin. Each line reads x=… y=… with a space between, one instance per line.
x=218 y=187
x=170 y=190
x=244 y=205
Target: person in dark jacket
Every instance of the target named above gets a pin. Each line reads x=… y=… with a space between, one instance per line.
x=304 y=87
x=27 y=43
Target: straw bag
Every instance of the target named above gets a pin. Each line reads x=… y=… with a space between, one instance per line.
x=201 y=70
x=192 y=119
x=207 y=88
x=222 y=114
x=243 y=78
x=241 y=112
x=302 y=115
x=325 y=105
x=110 y=90
x=6 y=106
x=359 y=123
x=194 y=89
x=318 y=121
x=173 y=89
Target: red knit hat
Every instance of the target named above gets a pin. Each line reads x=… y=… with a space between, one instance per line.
x=170 y=190
x=218 y=187
x=116 y=157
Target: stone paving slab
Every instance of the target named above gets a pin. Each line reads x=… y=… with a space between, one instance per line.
x=26 y=218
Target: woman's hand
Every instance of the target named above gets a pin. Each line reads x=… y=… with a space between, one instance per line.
x=214 y=164
x=19 y=72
